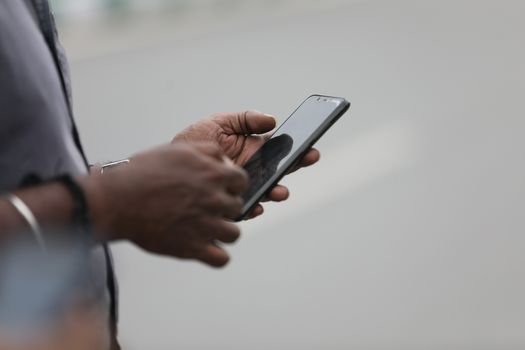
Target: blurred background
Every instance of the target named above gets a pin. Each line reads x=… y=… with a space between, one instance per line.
x=408 y=235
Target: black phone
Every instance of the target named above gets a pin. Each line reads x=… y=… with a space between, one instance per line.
x=288 y=144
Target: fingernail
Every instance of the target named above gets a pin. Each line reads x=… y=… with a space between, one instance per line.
x=265 y=114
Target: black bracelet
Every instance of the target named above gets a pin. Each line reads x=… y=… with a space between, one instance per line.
x=81 y=214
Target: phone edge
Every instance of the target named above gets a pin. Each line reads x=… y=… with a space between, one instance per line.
x=308 y=144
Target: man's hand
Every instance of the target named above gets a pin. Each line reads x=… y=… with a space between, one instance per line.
x=239 y=135
x=173 y=200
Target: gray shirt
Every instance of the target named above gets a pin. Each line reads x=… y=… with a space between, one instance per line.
x=37 y=131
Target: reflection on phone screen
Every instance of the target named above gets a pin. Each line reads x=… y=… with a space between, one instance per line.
x=309 y=121
x=265 y=162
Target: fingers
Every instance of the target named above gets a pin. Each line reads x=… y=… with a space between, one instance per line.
x=278 y=194
x=226 y=232
x=213 y=255
x=258 y=211
x=227 y=172
x=310 y=158
x=237 y=180
x=247 y=123
x=227 y=206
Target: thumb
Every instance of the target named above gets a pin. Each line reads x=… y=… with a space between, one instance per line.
x=248 y=122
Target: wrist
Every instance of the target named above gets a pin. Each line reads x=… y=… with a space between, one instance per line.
x=101 y=168
x=47 y=206
x=50 y=204
x=101 y=212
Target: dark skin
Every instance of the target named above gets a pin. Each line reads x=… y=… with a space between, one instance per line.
x=173 y=200
x=176 y=200
x=240 y=135
x=194 y=225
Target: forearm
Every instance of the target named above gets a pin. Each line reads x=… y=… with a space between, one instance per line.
x=51 y=204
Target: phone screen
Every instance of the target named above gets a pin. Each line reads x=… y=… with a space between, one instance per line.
x=297 y=133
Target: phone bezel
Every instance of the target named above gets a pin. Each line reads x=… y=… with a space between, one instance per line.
x=341 y=109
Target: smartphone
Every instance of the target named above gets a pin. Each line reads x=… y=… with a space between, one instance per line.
x=288 y=144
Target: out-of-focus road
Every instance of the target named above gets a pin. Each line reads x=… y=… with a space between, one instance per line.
x=408 y=235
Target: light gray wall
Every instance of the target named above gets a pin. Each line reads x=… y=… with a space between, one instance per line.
x=409 y=234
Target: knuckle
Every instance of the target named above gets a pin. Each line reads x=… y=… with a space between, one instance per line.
x=216 y=175
x=237 y=206
x=216 y=201
x=243 y=120
x=240 y=180
x=237 y=173
x=244 y=114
